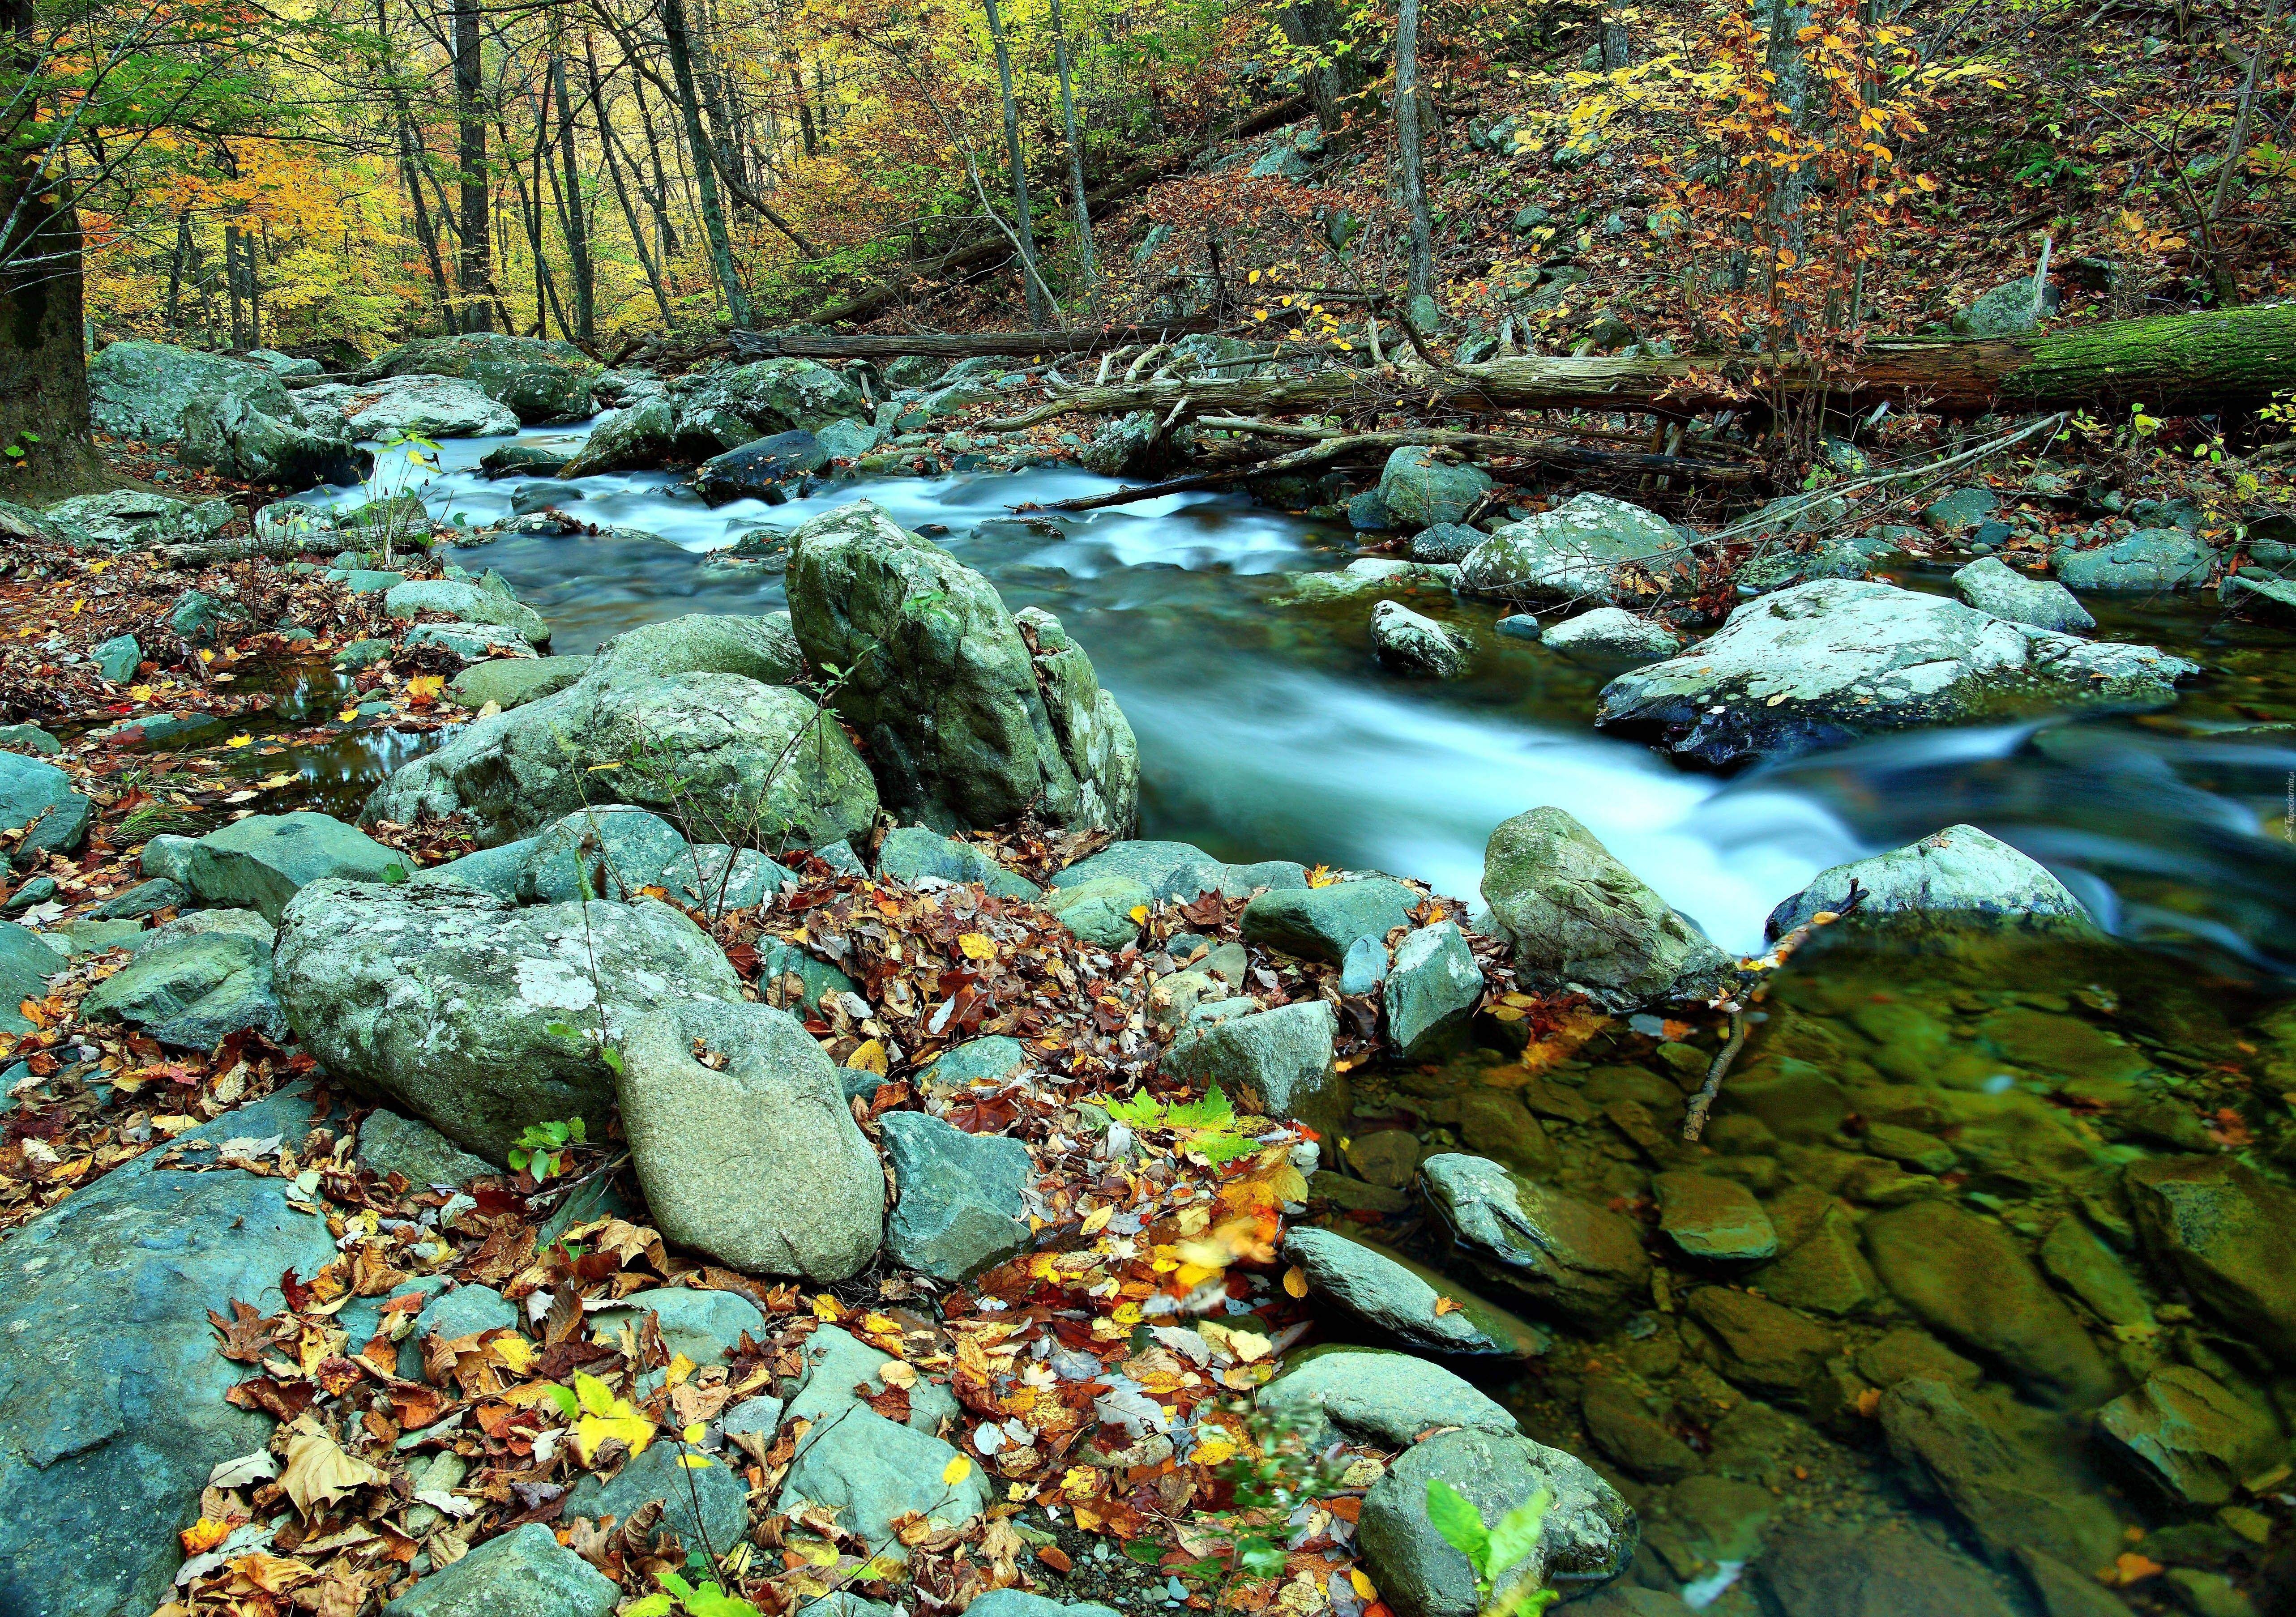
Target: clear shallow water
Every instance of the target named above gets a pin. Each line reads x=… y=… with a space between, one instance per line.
x=1269 y=731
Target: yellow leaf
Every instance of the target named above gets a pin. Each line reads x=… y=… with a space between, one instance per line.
x=207 y=657
x=1363 y=1585
x=956 y=1471
x=695 y=1462
x=1213 y=1452
x=346 y=716
x=869 y=1058
x=426 y=685
x=1139 y=914
x=1097 y=1219
x=593 y=1433
x=1295 y=1282
x=516 y=1351
x=976 y=946
x=824 y=1307
x=680 y=1368
x=695 y=1432
x=241 y=741
x=204 y=1535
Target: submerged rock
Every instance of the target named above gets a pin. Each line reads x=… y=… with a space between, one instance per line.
x=1943 y=884
x=1996 y=1466
x=1581 y=921
x=478 y=1017
x=2192 y=1438
x=1389 y=1293
x=1809 y=1571
x=1989 y=585
x=1585 y=1261
x=967 y=724
x=1768 y=1349
x=750 y=471
x=759 y=1163
x=2221 y=1229
x=1586 y=1539
x=1824 y=663
x=1713 y=1218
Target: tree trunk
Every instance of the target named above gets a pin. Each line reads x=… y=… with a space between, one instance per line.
x=1078 y=200
x=658 y=200
x=614 y=176
x=577 y=226
x=1406 y=148
x=177 y=262
x=1031 y=282
x=474 y=274
x=805 y=138
x=231 y=286
x=1335 y=77
x=705 y=173
x=2173 y=364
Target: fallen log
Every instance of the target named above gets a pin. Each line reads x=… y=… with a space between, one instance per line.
x=771 y=344
x=1342 y=446
x=2173 y=364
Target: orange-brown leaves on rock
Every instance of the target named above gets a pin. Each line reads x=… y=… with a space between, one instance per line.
x=245 y=1334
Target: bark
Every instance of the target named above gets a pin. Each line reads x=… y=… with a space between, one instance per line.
x=1078 y=199
x=177 y=262
x=2174 y=364
x=705 y=172
x=1031 y=282
x=1408 y=148
x=1336 y=77
x=474 y=271
x=576 y=224
x=2237 y=144
x=614 y=177
x=659 y=198
x=804 y=111
x=769 y=345
x=231 y=286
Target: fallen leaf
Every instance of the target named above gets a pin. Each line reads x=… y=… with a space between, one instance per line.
x=319 y=1472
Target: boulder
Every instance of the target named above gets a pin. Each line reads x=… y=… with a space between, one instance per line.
x=637 y=439
x=1583 y=1261
x=911 y=853
x=772 y=395
x=26 y=965
x=2193 y=1439
x=1713 y=1219
x=1967 y=1278
x=1784 y=566
x=2001 y=1472
x=138 y=389
x=1391 y=1295
x=1432 y=987
x=1944 y=883
x=1420 y=489
x=193 y=991
x=1324 y=923
x=839 y=1371
x=1275 y=1064
x=872 y=1473
x=1623 y=1427
x=388 y=1143
x=525 y=1573
x=404 y=407
x=494 y=870
x=1824 y=663
x=609 y=852
x=1107 y=913
x=2219 y=1229
x=1445 y=543
x=706 y=1507
x=721 y=878
x=128 y=519
x=262 y=862
x=705 y=1325
x=523 y=460
x=966 y=725
x=730 y=740
x=467 y=603
x=2141 y=563
x=1414 y=643
x=1989 y=585
x=1762 y=1347
x=1369 y=575
x=111 y=1405
x=200 y=619
x=540 y=381
x=1591 y=547
x=1612 y=635
x=477 y=1017
x=962 y=1198
x=515 y=681
x=118 y=659
x=761 y=649
x=1581 y=921
x=1179 y=872
x=37 y=799
x=1809 y=1571
x=846 y=440
x=1013 y=1603
x=1586 y=1539
x=1372 y=1396
x=284 y=364
x=751 y=470
x=2002 y=311
x=228 y=435
x=1959 y=512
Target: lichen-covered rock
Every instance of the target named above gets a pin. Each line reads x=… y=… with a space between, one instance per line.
x=1417 y=643
x=1824 y=663
x=1584 y=1260
x=513 y=681
x=229 y=435
x=2150 y=559
x=540 y=381
x=1943 y=884
x=610 y=851
x=1591 y=547
x=467 y=603
x=2192 y=1438
x=477 y=1017
x=772 y=395
x=262 y=862
x=1580 y=920
x=636 y=439
x=129 y=518
x=763 y=649
x=415 y=406
x=1586 y=1539
x=1432 y=987
x=37 y=799
x=388 y=1143
x=961 y=1198
x=1179 y=872
x=1421 y=490
x=1989 y=584
x=964 y=725
x=759 y=1163
x=1613 y=635
x=139 y=390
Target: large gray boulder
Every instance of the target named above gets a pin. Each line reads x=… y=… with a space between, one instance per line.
x=131 y=518
x=1990 y=585
x=772 y=395
x=540 y=381
x=1373 y=1395
x=1414 y=644
x=1613 y=633
x=1179 y=872
x=478 y=1017
x=2150 y=559
x=228 y=435
x=1588 y=1537
x=1589 y=548
x=612 y=851
x=758 y=1164
x=712 y=753
x=411 y=406
x=263 y=861
x=763 y=649
x=1420 y=490
x=37 y=799
x=1278 y=1064
x=1583 y=1261
x=1944 y=884
x=467 y=603
x=1824 y=662
x=635 y=438
x=962 y=1198
x=139 y=390
x=1581 y=921
x=111 y=1392
x=872 y=1472
x=967 y=725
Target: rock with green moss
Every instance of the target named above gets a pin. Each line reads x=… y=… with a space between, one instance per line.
x=540 y=381
x=1590 y=547
x=1421 y=489
x=2192 y=1438
x=2219 y=1229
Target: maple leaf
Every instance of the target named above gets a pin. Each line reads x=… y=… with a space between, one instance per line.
x=319 y=1471
x=245 y=1334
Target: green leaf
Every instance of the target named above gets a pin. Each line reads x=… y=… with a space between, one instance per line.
x=1211 y=1111
x=1258 y=1558
x=519 y=1158
x=652 y=1605
x=1456 y=1517
x=675 y=1584
x=578 y=1130
x=1141 y=1112
x=612 y=1057
x=29 y=437
x=568 y=1404
x=554 y=1133
x=1517 y=1535
x=561 y=1030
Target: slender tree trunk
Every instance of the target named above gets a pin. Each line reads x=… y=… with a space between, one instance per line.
x=614 y=175
x=474 y=274
x=177 y=262
x=705 y=175
x=1078 y=203
x=1032 y=280
x=577 y=227
x=1617 y=45
x=1406 y=148
x=657 y=199
x=807 y=139
x=230 y=288
x=821 y=111
x=248 y=241
x=2237 y=144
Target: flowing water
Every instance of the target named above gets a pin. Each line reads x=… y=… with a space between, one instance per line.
x=2041 y=1073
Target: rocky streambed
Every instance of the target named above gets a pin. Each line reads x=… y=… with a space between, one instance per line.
x=1972 y=1296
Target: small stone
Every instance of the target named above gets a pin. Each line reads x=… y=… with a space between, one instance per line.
x=1713 y=1218
x=705 y=1325
x=910 y=853
x=1518 y=626
x=707 y=1509
x=1584 y=1260
x=2084 y=1266
x=30 y=738
x=118 y=659
x=872 y=1473
x=1365 y=968
x=1431 y=990
x=1908 y=1355
x=37 y=798
x=961 y=1198
x=1106 y=913
x=1991 y=585
x=1910 y=1147
x=1612 y=635
x=523 y=1574
x=1387 y=1157
x=1444 y=542
x=1415 y=643
x=1625 y=1430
